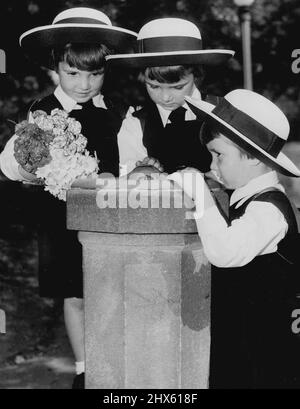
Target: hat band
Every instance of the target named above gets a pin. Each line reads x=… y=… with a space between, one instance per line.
x=253 y=130
x=168 y=44
x=80 y=20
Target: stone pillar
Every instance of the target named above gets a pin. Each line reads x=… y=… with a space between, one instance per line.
x=146 y=290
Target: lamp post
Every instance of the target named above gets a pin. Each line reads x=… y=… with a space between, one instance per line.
x=245 y=19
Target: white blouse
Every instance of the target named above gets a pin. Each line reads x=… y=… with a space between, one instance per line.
x=130 y=137
x=258 y=231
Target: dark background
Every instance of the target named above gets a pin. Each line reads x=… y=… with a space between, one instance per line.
x=275 y=34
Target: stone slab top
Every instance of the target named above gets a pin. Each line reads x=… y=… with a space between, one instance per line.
x=128 y=211
x=140 y=204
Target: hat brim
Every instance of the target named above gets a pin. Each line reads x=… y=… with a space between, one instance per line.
x=193 y=57
x=281 y=163
x=38 y=41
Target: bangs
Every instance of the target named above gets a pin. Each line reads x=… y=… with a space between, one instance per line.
x=209 y=130
x=85 y=57
x=167 y=75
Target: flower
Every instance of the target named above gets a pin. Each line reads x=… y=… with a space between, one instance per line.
x=54 y=149
x=74 y=126
x=31 y=148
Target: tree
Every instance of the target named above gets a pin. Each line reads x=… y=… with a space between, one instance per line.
x=275 y=34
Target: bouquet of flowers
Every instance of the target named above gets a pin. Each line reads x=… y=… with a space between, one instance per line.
x=53 y=148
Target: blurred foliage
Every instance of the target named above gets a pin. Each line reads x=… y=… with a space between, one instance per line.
x=275 y=34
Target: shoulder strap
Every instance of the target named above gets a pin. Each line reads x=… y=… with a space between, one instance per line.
x=45 y=104
x=288 y=247
x=212 y=99
x=281 y=201
x=119 y=108
x=259 y=194
x=140 y=115
x=148 y=110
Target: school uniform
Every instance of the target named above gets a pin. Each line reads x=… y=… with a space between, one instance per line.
x=176 y=145
x=100 y=122
x=60 y=253
x=150 y=132
x=253 y=292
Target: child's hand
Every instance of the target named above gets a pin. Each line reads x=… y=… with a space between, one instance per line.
x=150 y=162
x=28 y=177
x=88 y=182
x=212 y=175
x=191 y=182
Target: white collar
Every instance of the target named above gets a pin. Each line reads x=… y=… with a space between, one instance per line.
x=255 y=185
x=69 y=103
x=190 y=116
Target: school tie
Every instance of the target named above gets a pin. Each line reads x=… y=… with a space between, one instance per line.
x=177 y=116
x=87 y=106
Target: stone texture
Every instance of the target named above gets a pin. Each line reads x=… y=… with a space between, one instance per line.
x=147 y=311
x=146 y=290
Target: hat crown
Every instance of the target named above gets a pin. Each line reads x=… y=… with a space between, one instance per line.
x=82 y=13
x=169 y=27
x=261 y=110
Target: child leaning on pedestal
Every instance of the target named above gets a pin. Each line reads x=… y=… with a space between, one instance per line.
x=164 y=132
x=75 y=45
x=255 y=279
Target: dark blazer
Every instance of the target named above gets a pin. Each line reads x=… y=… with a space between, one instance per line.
x=99 y=126
x=252 y=342
x=174 y=146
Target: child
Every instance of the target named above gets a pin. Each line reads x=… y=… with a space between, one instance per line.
x=165 y=130
x=254 y=290
x=78 y=40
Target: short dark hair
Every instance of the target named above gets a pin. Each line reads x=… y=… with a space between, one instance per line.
x=172 y=74
x=210 y=131
x=86 y=57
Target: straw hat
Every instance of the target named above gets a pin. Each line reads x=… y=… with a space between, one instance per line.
x=252 y=122
x=170 y=41
x=80 y=25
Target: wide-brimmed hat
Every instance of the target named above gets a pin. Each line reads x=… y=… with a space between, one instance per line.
x=252 y=122
x=79 y=25
x=170 y=41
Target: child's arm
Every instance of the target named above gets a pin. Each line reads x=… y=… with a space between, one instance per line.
x=26 y=176
x=257 y=232
x=193 y=184
x=150 y=162
x=9 y=166
x=130 y=143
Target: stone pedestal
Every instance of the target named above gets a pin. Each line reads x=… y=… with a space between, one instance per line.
x=146 y=291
